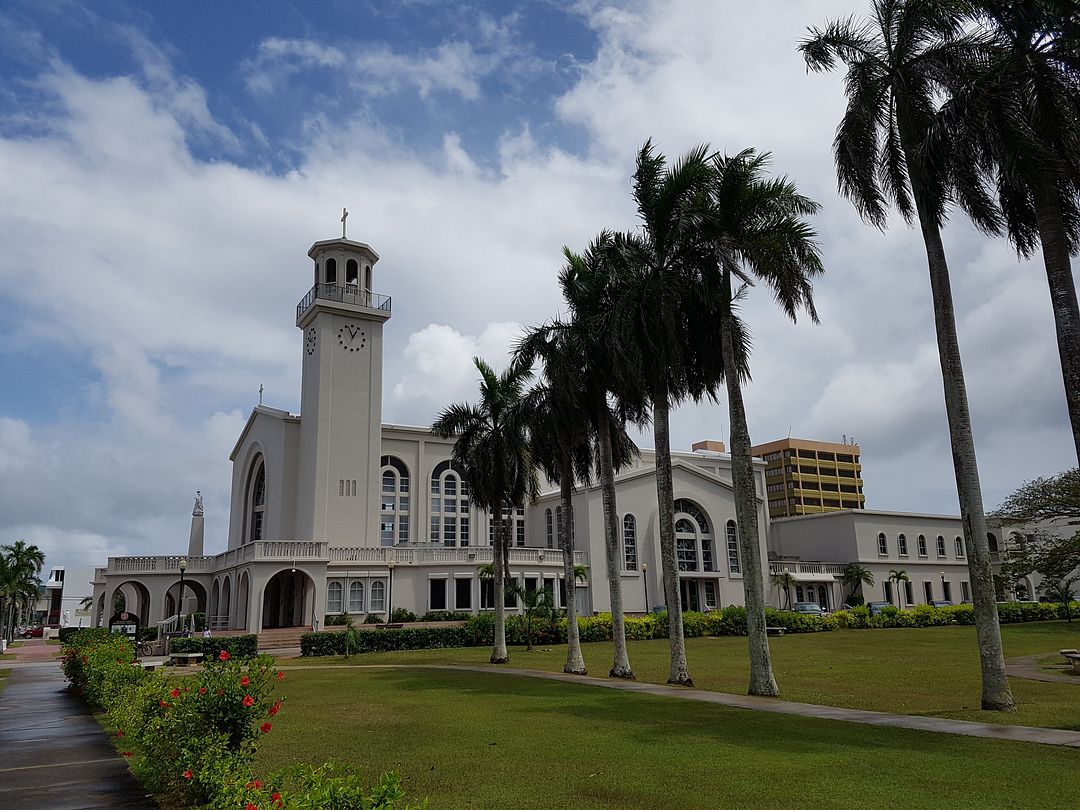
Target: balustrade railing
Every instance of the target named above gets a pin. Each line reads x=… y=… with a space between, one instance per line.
x=476 y=555
x=796 y=567
x=344 y=293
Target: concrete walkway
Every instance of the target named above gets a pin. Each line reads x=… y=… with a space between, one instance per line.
x=967 y=728
x=1029 y=669
x=55 y=755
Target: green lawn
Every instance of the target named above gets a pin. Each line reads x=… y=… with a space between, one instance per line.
x=488 y=741
x=931 y=671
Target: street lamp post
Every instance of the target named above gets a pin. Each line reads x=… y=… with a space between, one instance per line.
x=391 y=564
x=180 y=603
x=645 y=579
x=943 y=585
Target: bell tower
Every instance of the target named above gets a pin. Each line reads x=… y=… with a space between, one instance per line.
x=341 y=320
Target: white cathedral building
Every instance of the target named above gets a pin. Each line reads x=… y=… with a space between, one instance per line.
x=333 y=512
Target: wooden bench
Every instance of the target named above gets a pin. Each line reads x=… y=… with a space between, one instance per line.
x=183 y=659
x=774 y=631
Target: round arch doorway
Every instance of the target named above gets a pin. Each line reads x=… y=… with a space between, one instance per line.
x=288 y=600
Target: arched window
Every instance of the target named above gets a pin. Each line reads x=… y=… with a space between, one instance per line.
x=991 y=538
x=558 y=524
x=629 y=537
x=356 y=597
x=922 y=545
x=901 y=543
x=367 y=277
x=940 y=546
x=394 y=502
x=882 y=544
x=331 y=271
x=256 y=502
x=449 y=504
x=959 y=542
x=333 y=598
x=732 y=548
x=517 y=526
x=352 y=272
x=692 y=537
x=316 y=273
x=378 y=597
x=549 y=533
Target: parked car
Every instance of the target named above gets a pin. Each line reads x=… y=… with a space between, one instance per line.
x=33 y=632
x=940 y=603
x=877 y=607
x=810 y=609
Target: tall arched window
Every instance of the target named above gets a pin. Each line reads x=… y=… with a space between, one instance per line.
x=331 y=271
x=732 y=534
x=692 y=537
x=959 y=542
x=991 y=538
x=940 y=546
x=922 y=545
x=629 y=539
x=882 y=544
x=517 y=527
x=395 y=502
x=901 y=544
x=333 y=598
x=378 y=597
x=356 y=597
x=449 y=504
x=352 y=272
x=256 y=502
x=549 y=532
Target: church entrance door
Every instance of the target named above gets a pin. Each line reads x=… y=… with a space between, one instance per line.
x=288 y=600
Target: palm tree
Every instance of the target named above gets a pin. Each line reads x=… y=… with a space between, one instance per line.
x=1018 y=121
x=896 y=576
x=650 y=324
x=20 y=565
x=492 y=446
x=755 y=230
x=897 y=64
x=855 y=576
x=557 y=414
x=537 y=603
x=784 y=582
x=590 y=282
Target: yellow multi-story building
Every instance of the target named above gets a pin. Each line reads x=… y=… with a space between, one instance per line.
x=805 y=477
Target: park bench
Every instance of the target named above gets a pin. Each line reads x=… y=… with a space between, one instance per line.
x=1066 y=653
x=183 y=659
x=774 y=631
x=1073 y=658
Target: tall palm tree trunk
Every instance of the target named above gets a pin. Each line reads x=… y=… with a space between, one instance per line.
x=996 y=694
x=762 y=681
x=574 y=662
x=1055 y=250
x=668 y=560
x=499 y=654
x=620 y=668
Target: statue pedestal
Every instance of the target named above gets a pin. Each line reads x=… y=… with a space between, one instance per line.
x=195 y=542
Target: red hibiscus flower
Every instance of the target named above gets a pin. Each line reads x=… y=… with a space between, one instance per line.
x=119 y=733
x=276 y=799
x=281 y=676
x=251 y=806
x=254 y=784
x=245 y=681
x=202 y=690
x=248 y=700
x=188 y=774
x=223 y=656
x=265 y=728
x=175 y=693
x=163 y=704
x=275 y=708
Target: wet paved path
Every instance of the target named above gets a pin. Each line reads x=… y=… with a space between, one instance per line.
x=55 y=756
x=968 y=728
x=1029 y=668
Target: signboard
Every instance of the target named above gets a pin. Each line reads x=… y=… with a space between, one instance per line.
x=126 y=624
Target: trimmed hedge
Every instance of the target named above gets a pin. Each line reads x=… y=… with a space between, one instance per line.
x=479 y=629
x=68 y=635
x=236 y=646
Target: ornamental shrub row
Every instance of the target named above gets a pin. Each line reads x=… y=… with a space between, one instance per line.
x=193 y=739
x=236 y=646
x=479 y=630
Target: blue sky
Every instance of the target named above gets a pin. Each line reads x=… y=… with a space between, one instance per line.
x=167 y=165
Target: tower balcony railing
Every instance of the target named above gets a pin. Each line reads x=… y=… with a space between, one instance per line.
x=345 y=294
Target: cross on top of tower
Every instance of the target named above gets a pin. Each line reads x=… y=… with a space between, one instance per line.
x=344 y=216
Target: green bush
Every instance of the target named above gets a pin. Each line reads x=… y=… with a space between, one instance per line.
x=68 y=634
x=237 y=646
x=373 y=618
x=446 y=616
x=336 y=619
x=367 y=641
x=401 y=616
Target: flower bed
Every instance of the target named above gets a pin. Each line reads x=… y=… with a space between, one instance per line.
x=193 y=738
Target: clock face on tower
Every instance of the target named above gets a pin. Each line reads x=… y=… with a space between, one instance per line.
x=312 y=339
x=351 y=337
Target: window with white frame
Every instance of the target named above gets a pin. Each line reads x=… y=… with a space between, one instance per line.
x=732 y=533
x=940 y=546
x=922 y=546
x=449 y=505
x=356 y=597
x=629 y=543
x=901 y=544
x=437 y=594
x=959 y=542
x=882 y=544
x=377 y=603
x=965 y=591
x=463 y=593
x=395 y=502
x=693 y=537
x=256 y=498
x=928 y=591
x=334 y=597
x=517 y=527
x=549 y=531
x=710 y=595
x=909 y=592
